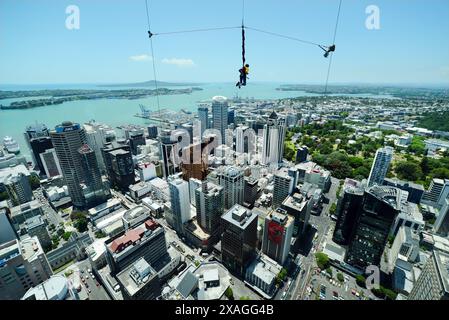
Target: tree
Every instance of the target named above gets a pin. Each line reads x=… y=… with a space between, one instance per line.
x=322 y=260
x=34 y=181
x=229 y=294
x=425 y=166
x=340 y=277
x=410 y=171
x=333 y=209
x=361 y=281
x=100 y=234
x=66 y=235
x=4 y=196
x=81 y=224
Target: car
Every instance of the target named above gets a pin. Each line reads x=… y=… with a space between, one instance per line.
x=97 y=284
x=88 y=290
x=353 y=292
x=88 y=270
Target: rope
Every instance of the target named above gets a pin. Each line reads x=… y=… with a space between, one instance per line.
x=284 y=36
x=333 y=42
x=153 y=60
x=194 y=30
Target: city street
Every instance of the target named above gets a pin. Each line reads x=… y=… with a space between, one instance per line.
x=94 y=291
x=322 y=225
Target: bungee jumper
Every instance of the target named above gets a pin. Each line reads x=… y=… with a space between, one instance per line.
x=244 y=70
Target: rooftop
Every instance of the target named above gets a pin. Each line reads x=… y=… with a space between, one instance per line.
x=134 y=236
x=136 y=276
x=55 y=288
x=239 y=216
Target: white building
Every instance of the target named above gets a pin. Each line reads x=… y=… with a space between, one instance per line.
x=380 y=166
x=180 y=203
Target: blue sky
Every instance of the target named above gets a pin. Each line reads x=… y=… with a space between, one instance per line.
x=412 y=45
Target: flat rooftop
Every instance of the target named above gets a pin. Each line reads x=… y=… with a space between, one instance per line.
x=239 y=216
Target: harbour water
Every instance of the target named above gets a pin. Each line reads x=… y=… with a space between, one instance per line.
x=116 y=112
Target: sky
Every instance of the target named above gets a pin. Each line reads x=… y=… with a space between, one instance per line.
x=111 y=46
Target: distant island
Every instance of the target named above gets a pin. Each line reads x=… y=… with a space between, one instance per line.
x=393 y=91
x=60 y=96
x=149 y=84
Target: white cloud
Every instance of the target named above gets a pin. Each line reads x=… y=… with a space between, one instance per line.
x=182 y=63
x=140 y=57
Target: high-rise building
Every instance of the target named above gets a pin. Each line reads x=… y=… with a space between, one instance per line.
x=203 y=116
x=239 y=238
x=36 y=132
x=376 y=217
x=39 y=146
x=36 y=227
x=231 y=116
x=97 y=136
x=277 y=235
x=168 y=147
x=209 y=206
x=180 y=203
x=136 y=139
x=50 y=163
x=17 y=185
x=96 y=191
x=348 y=208
x=251 y=191
x=301 y=154
x=283 y=186
x=433 y=282
x=195 y=160
x=380 y=166
x=273 y=140
x=441 y=225
x=298 y=206
x=437 y=193
x=241 y=140
x=145 y=240
x=119 y=165
x=23 y=265
x=139 y=281
x=220 y=115
x=152 y=131
x=67 y=138
x=232 y=180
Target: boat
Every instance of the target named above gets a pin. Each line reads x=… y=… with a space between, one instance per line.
x=11 y=145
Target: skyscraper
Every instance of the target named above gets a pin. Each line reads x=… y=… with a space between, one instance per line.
x=348 y=207
x=239 y=238
x=209 y=206
x=36 y=131
x=283 y=186
x=277 y=235
x=136 y=138
x=180 y=203
x=168 y=149
x=220 y=115
x=380 y=166
x=119 y=165
x=273 y=140
x=433 y=283
x=23 y=265
x=374 y=221
x=67 y=138
x=18 y=187
x=441 y=225
x=203 y=116
x=232 y=181
x=96 y=191
x=50 y=163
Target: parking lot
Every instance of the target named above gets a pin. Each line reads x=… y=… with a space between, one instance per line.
x=334 y=289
